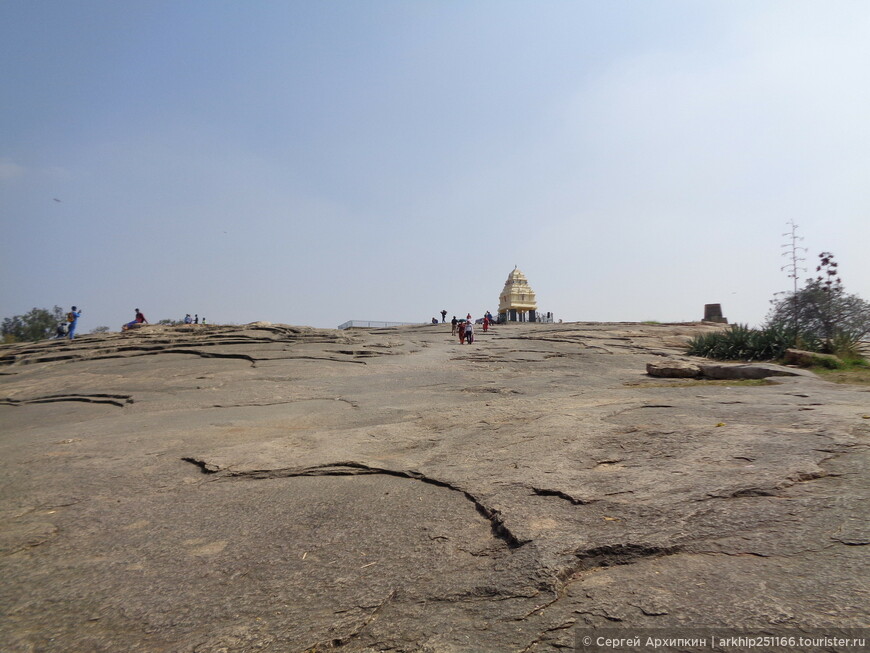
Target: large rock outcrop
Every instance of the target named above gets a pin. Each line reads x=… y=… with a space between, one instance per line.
x=275 y=488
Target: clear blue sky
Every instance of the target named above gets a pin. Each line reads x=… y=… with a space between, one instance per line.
x=314 y=162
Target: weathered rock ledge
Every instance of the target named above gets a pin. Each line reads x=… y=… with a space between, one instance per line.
x=681 y=369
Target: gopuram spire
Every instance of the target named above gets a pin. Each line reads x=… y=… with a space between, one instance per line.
x=517 y=301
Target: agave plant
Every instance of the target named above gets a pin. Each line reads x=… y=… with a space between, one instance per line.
x=739 y=342
x=846 y=345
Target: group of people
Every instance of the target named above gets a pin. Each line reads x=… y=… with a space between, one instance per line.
x=67 y=328
x=140 y=319
x=465 y=328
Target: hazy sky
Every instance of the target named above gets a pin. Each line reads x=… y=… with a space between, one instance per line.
x=314 y=162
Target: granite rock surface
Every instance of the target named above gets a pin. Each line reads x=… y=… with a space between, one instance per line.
x=276 y=488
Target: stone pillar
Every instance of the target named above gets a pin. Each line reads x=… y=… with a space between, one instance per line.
x=713 y=313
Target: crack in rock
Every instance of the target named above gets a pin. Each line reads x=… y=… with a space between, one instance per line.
x=359 y=353
x=552 y=629
x=803 y=477
x=614 y=554
x=558 y=596
x=544 y=492
x=776 y=490
x=96 y=398
x=755 y=554
x=329 y=359
x=482 y=593
x=338 y=642
x=857 y=540
x=600 y=615
x=753 y=492
x=204 y=467
x=189 y=352
x=260 y=404
x=744 y=493
x=353 y=468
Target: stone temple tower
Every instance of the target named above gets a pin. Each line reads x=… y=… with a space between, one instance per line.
x=517 y=301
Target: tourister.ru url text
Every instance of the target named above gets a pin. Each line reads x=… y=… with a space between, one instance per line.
x=853 y=639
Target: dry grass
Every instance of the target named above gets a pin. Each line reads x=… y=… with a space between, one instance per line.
x=853 y=375
x=690 y=383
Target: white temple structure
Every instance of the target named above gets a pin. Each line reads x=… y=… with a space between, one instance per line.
x=517 y=301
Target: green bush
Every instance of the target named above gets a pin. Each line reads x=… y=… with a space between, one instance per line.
x=828 y=363
x=739 y=342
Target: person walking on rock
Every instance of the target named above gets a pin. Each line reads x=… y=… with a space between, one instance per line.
x=73 y=318
x=469 y=331
x=485 y=323
x=453 y=322
x=443 y=316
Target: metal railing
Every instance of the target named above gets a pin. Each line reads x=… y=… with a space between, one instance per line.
x=363 y=324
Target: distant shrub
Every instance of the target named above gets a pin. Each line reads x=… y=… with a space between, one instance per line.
x=38 y=324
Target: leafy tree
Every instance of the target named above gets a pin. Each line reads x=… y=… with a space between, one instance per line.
x=100 y=329
x=37 y=324
x=819 y=317
x=822 y=309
